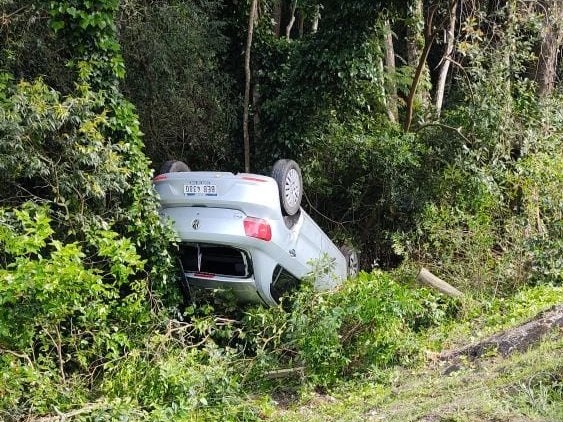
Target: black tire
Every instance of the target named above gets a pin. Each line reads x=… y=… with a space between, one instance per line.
x=352 y=260
x=287 y=174
x=173 y=166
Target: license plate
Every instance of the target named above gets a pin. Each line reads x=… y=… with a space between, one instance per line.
x=203 y=189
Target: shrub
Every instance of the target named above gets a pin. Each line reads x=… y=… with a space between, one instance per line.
x=63 y=314
x=81 y=244
x=369 y=323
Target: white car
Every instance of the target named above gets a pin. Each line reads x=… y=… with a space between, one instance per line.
x=247 y=232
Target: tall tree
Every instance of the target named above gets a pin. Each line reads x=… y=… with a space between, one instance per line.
x=277 y=16
x=247 y=73
x=289 y=26
x=316 y=18
x=429 y=36
x=390 y=84
x=416 y=41
x=552 y=39
x=414 y=26
x=445 y=66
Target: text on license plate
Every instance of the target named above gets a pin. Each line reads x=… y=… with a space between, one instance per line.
x=203 y=189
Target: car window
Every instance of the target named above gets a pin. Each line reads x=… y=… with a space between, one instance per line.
x=219 y=260
x=282 y=283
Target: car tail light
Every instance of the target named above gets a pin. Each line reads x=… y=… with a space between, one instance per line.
x=258 y=228
x=159 y=177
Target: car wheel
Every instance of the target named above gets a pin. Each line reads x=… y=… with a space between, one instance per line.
x=352 y=260
x=287 y=174
x=173 y=166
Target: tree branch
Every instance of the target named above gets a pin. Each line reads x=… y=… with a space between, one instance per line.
x=292 y=20
x=441 y=85
x=88 y=408
x=455 y=129
x=17 y=354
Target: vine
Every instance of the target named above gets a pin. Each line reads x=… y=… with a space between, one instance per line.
x=89 y=29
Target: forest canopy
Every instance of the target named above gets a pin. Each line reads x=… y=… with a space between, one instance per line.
x=430 y=133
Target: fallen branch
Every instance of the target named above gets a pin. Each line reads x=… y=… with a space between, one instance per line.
x=426 y=277
x=88 y=408
x=285 y=373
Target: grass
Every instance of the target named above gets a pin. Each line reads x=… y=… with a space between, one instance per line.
x=523 y=387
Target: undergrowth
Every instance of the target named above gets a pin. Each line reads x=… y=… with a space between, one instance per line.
x=370 y=322
x=206 y=367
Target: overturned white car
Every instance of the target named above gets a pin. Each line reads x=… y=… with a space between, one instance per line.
x=246 y=232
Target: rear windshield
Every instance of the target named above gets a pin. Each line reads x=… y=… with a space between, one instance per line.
x=219 y=260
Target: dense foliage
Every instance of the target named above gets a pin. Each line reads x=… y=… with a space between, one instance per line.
x=369 y=324
x=82 y=247
x=470 y=188
x=494 y=219
x=458 y=191
x=174 y=53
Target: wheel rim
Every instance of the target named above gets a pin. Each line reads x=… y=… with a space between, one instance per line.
x=292 y=188
x=353 y=264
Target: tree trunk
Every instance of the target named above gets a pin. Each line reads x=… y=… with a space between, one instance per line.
x=277 y=16
x=418 y=47
x=415 y=38
x=441 y=85
x=416 y=79
x=286 y=373
x=246 y=134
x=256 y=105
x=551 y=42
x=391 y=86
x=291 y=20
x=301 y=23
x=316 y=17
x=516 y=339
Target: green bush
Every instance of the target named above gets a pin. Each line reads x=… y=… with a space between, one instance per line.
x=368 y=324
x=83 y=255
x=174 y=379
x=63 y=314
x=78 y=331
x=364 y=180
